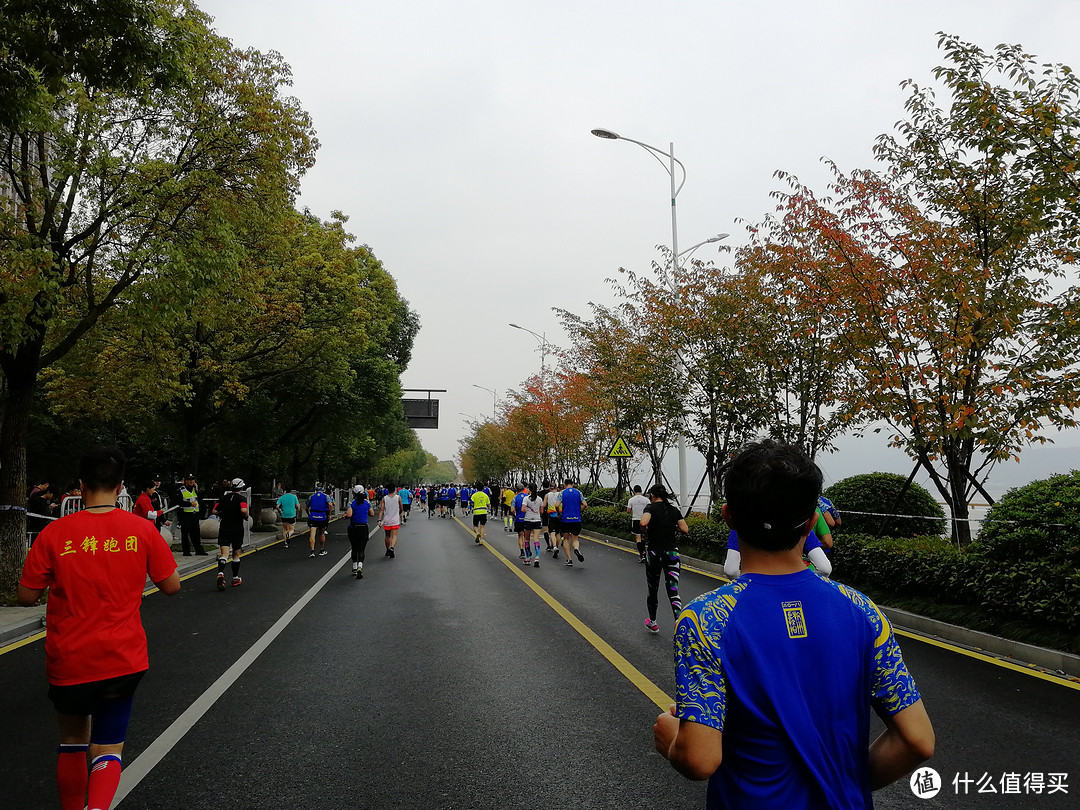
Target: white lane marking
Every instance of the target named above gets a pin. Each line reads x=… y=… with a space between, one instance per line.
x=156 y=751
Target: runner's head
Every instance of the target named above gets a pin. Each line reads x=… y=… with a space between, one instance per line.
x=637 y=489
x=102 y=469
x=359 y=493
x=772 y=491
x=238 y=484
x=658 y=492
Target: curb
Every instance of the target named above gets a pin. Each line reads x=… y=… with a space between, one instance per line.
x=1015 y=651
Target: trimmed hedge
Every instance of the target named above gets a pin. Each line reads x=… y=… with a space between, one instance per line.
x=876 y=492
x=1040 y=592
x=1038 y=521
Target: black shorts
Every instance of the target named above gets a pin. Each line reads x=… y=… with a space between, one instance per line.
x=532 y=527
x=232 y=536
x=571 y=527
x=543 y=519
x=405 y=507
x=635 y=527
x=519 y=525
x=554 y=524
x=479 y=520
x=83 y=699
x=291 y=519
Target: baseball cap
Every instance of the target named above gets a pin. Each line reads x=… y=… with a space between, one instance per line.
x=238 y=483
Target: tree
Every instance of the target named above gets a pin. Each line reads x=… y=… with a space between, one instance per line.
x=105 y=183
x=944 y=263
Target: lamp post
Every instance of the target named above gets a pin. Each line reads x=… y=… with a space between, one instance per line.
x=494 y=398
x=543 y=346
x=669 y=167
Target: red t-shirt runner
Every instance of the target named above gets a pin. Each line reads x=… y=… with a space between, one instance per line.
x=95 y=566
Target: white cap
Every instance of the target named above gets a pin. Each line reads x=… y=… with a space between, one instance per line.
x=238 y=483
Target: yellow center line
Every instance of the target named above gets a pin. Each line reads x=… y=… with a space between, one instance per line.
x=629 y=671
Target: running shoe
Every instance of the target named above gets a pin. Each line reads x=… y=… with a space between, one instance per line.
x=578 y=555
x=392 y=554
x=641 y=559
x=312 y=554
x=526 y=561
x=521 y=553
x=221 y=582
x=323 y=552
x=477 y=539
x=536 y=563
x=652 y=626
x=569 y=563
x=286 y=544
x=237 y=582
x=555 y=554
x=360 y=571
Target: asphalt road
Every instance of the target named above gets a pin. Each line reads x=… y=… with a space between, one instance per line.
x=443 y=680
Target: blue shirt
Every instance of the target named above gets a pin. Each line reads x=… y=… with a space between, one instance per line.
x=406 y=497
x=360 y=512
x=742 y=656
x=318 y=506
x=519 y=507
x=571 y=505
x=451 y=493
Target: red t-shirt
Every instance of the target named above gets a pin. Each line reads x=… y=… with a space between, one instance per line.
x=95 y=566
x=143 y=506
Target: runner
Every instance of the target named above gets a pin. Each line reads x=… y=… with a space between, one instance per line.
x=406 y=503
x=507 y=501
x=518 y=506
x=532 y=510
x=551 y=507
x=232 y=508
x=663 y=522
x=466 y=499
x=357 y=513
x=636 y=506
x=480 y=505
x=286 y=506
x=95 y=563
x=571 y=502
x=390 y=518
x=451 y=498
x=749 y=716
x=319 y=508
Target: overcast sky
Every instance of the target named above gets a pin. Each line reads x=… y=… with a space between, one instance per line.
x=456 y=138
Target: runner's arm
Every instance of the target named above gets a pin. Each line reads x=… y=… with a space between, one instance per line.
x=820 y=561
x=169 y=585
x=29 y=596
x=908 y=740
x=682 y=527
x=732 y=563
x=693 y=749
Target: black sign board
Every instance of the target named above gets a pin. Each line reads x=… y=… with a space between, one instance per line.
x=422 y=413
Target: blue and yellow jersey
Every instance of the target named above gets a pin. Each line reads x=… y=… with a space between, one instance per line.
x=782 y=665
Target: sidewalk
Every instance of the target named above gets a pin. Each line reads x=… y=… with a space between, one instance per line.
x=17 y=623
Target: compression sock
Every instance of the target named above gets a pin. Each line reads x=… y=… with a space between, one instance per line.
x=640 y=548
x=104 y=779
x=221 y=561
x=235 y=568
x=71 y=776
x=547 y=539
x=536 y=546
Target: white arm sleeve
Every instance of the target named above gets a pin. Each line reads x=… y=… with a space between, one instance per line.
x=732 y=563
x=820 y=561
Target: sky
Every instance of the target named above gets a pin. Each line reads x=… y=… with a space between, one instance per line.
x=457 y=139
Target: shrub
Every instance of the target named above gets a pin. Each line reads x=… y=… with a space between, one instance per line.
x=876 y=492
x=1038 y=521
x=930 y=567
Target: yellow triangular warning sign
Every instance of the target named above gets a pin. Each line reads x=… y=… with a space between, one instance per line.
x=619 y=449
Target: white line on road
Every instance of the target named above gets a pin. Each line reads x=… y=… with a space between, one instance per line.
x=156 y=751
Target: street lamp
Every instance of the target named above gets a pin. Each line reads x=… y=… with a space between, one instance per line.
x=543 y=345
x=494 y=398
x=658 y=153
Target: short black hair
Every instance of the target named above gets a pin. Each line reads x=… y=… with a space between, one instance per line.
x=102 y=468
x=772 y=491
x=637 y=488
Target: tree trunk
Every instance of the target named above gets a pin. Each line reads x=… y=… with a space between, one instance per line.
x=13 y=433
